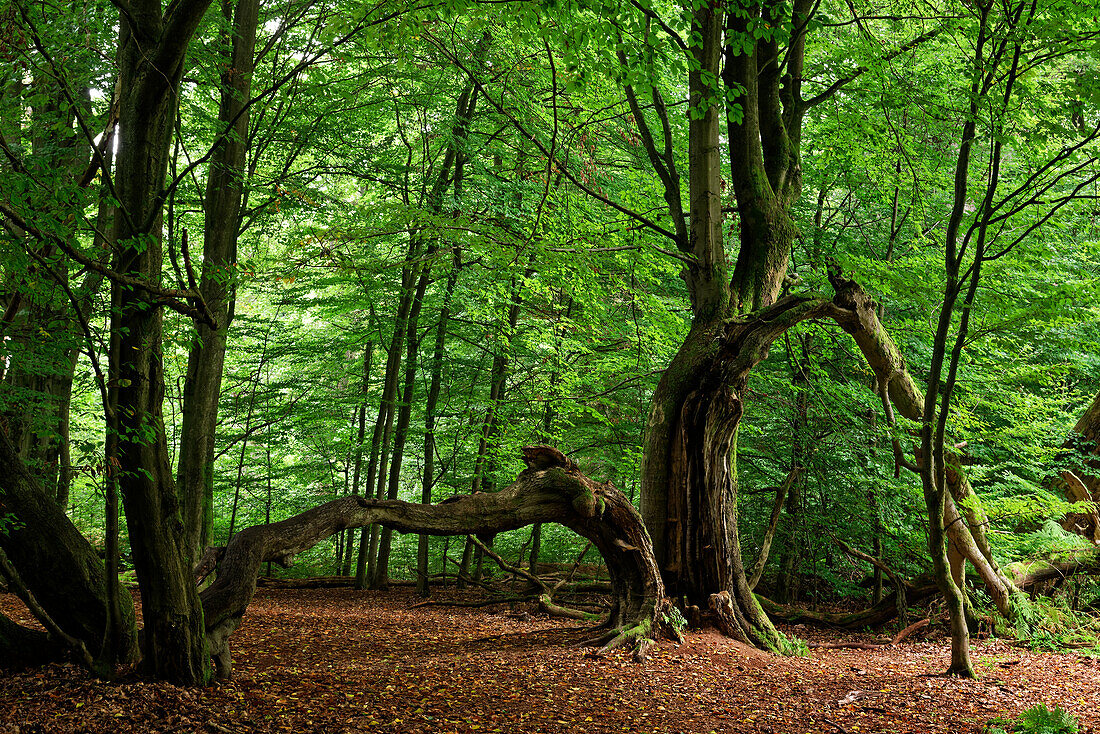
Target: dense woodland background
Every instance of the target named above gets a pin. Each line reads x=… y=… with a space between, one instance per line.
x=448 y=245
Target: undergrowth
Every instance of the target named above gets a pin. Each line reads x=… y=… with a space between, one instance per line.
x=1036 y=720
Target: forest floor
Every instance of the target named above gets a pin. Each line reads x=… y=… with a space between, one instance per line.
x=335 y=660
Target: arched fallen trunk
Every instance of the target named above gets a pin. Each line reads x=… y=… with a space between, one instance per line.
x=551 y=489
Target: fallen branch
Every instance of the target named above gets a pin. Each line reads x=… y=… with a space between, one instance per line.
x=871 y=645
x=915 y=592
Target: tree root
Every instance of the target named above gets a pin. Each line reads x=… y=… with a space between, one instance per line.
x=554 y=610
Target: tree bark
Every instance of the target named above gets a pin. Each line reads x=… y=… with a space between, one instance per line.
x=381 y=577
x=361 y=432
x=430 y=404
x=1080 y=480
x=152 y=46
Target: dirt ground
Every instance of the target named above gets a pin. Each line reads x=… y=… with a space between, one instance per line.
x=344 y=661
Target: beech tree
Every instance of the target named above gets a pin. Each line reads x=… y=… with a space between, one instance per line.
x=548 y=164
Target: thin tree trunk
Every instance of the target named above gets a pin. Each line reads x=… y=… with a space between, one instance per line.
x=384 y=423
x=368 y=354
x=485 y=464
x=380 y=580
x=222 y=215
x=430 y=404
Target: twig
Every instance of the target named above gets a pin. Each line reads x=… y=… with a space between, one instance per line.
x=909 y=630
x=573 y=571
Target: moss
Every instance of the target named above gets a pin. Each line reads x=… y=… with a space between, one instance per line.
x=579 y=494
x=642 y=629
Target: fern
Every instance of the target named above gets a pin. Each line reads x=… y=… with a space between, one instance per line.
x=1036 y=720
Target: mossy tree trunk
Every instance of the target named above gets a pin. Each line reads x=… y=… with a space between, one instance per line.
x=1079 y=476
x=689 y=475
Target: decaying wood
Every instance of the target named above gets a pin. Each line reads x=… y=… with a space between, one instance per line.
x=916 y=591
x=313 y=582
x=1028 y=574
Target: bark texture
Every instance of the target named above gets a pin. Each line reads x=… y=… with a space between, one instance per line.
x=1081 y=479
x=222 y=209
x=152 y=46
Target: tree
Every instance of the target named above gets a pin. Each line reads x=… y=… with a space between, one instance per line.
x=222 y=212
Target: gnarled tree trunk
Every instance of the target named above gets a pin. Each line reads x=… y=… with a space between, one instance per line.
x=1080 y=480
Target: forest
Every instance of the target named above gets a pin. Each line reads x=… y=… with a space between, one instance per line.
x=681 y=347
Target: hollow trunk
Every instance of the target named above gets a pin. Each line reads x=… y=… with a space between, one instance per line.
x=701 y=554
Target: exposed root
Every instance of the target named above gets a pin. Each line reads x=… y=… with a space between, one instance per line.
x=601 y=640
x=547 y=605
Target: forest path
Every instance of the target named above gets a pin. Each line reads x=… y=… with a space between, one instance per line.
x=335 y=660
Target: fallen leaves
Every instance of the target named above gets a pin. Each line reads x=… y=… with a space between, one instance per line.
x=346 y=662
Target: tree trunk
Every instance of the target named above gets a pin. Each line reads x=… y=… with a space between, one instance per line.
x=58 y=564
x=381 y=578
x=151 y=54
x=383 y=428
x=485 y=464
x=1080 y=477
x=222 y=211
x=551 y=489
x=361 y=432
x=432 y=400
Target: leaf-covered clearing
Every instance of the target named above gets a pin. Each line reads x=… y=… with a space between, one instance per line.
x=337 y=660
